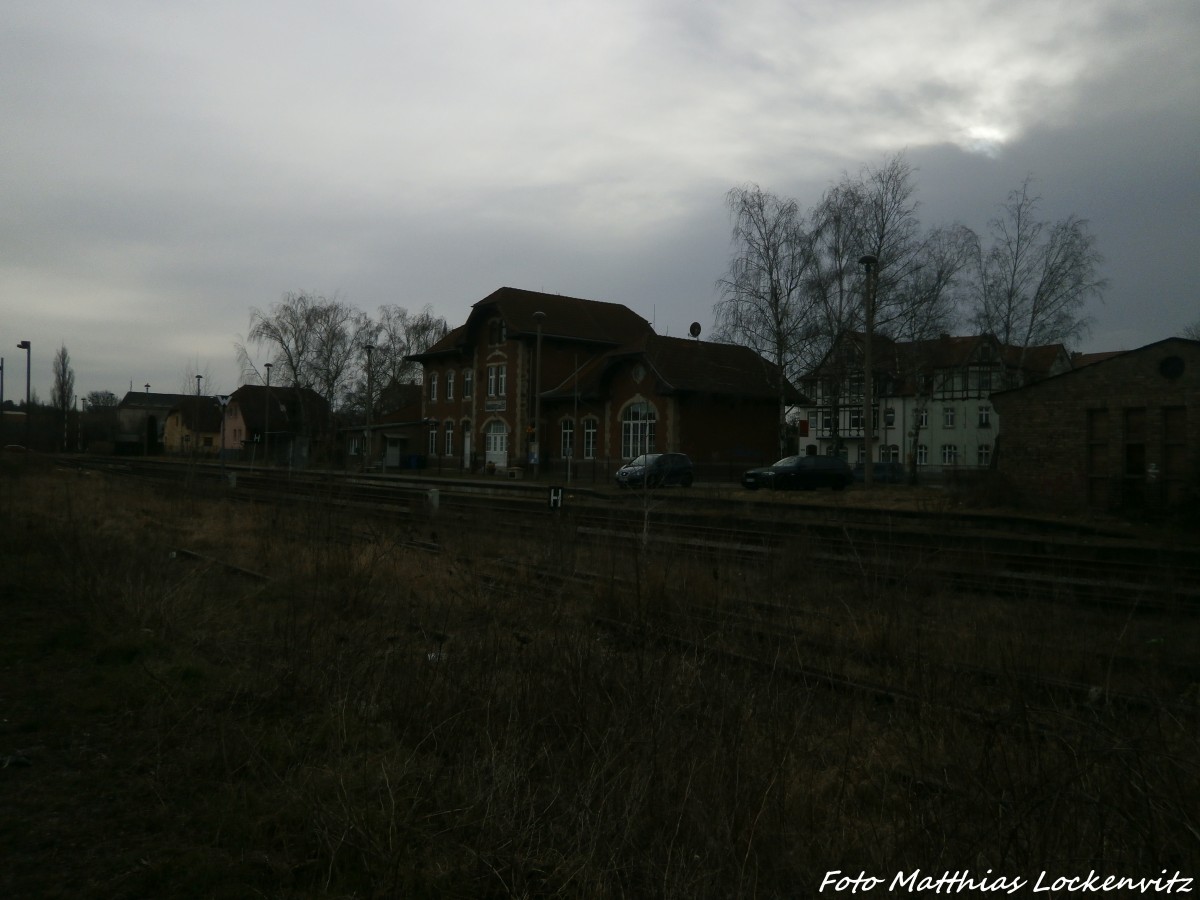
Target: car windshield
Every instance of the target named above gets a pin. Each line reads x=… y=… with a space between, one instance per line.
x=646 y=459
x=788 y=461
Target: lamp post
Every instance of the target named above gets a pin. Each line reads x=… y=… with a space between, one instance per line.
x=537 y=398
x=146 y=425
x=267 y=420
x=28 y=348
x=871 y=267
x=196 y=421
x=370 y=398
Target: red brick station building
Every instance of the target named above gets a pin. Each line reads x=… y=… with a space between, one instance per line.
x=600 y=383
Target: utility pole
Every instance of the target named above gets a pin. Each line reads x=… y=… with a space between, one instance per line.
x=370 y=398
x=28 y=348
x=537 y=397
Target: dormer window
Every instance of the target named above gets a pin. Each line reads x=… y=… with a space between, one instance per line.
x=497 y=332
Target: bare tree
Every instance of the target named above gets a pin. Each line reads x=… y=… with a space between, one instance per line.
x=1191 y=332
x=402 y=334
x=101 y=400
x=1034 y=279
x=312 y=342
x=764 y=303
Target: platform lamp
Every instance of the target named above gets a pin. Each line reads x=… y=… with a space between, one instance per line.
x=28 y=348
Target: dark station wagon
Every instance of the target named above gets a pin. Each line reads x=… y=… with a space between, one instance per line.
x=656 y=470
x=801 y=473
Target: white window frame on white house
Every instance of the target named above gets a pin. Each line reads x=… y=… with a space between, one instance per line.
x=923 y=417
x=590 y=429
x=985 y=417
x=433 y=387
x=856 y=418
x=922 y=455
x=947 y=416
x=448 y=444
x=984 y=454
x=450 y=385
x=567 y=439
x=949 y=454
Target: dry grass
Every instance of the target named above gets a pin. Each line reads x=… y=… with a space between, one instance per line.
x=370 y=720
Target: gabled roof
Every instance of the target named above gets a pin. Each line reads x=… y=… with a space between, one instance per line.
x=689 y=366
x=251 y=400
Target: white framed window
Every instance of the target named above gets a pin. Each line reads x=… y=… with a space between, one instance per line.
x=450 y=385
x=889 y=453
x=449 y=442
x=826 y=420
x=638 y=421
x=589 y=438
x=947 y=416
x=433 y=387
x=567 y=442
x=985 y=417
x=984 y=455
x=949 y=454
x=923 y=418
x=856 y=419
x=922 y=455
x=497 y=380
x=433 y=441
x=468 y=378
x=356 y=446
x=889 y=417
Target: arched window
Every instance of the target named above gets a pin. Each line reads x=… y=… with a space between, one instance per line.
x=449 y=428
x=450 y=385
x=637 y=429
x=433 y=387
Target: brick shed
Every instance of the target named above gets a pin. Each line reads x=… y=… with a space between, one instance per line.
x=1123 y=432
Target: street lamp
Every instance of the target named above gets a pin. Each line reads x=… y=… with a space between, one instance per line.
x=28 y=348
x=871 y=267
x=537 y=397
x=267 y=419
x=196 y=421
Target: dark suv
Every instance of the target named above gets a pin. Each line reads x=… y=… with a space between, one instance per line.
x=656 y=470
x=803 y=473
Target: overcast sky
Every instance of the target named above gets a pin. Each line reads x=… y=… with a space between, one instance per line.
x=166 y=166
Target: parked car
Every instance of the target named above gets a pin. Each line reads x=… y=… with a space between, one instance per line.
x=801 y=473
x=882 y=472
x=656 y=470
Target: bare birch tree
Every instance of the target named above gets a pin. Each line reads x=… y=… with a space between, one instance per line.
x=764 y=303
x=62 y=394
x=1035 y=277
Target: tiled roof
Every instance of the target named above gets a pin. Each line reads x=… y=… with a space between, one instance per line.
x=252 y=401
x=566 y=318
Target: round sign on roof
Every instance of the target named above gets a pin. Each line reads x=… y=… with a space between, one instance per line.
x=694 y=331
